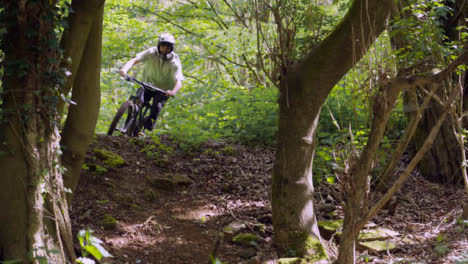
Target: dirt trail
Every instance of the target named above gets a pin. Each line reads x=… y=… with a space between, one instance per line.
x=162 y=222
x=170 y=204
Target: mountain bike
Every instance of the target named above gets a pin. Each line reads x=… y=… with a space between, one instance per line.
x=133 y=113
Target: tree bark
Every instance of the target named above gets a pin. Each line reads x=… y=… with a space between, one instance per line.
x=303 y=90
x=442 y=162
x=34 y=220
x=356 y=211
x=85 y=30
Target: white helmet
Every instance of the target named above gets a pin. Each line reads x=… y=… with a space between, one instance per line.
x=167 y=39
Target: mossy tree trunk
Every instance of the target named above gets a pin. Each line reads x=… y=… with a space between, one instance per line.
x=304 y=88
x=82 y=44
x=34 y=221
x=32 y=179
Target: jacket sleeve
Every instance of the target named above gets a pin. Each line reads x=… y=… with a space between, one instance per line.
x=142 y=56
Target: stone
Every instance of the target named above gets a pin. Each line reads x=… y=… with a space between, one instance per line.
x=233 y=228
x=170 y=181
x=377 y=234
x=378 y=245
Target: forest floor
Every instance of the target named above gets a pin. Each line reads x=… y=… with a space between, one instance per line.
x=220 y=185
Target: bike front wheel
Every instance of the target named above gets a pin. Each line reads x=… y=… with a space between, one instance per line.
x=124 y=119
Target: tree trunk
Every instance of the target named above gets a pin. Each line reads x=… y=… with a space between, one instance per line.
x=442 y=162
x=303 y=90
x=85 y=31
x=34 y=219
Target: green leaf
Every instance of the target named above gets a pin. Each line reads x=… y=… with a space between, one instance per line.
x=103 y=251
x=93 y=250
x=83 y=260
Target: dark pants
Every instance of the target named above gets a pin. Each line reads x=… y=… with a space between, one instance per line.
x=159 y=100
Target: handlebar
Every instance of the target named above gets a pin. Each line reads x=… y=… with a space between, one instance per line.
x=144 y=84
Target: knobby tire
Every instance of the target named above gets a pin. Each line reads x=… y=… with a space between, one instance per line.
x=127 y=106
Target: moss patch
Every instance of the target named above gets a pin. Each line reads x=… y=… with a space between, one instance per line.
x=331 y=225
x=229 y=150
x=109 y=158
x=292 y=261
x=108 y=222
x=315 y=249
x=307 y=246
x=246 y=239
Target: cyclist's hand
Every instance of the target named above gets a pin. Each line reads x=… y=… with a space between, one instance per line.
x=170 y=93
x=122 y=73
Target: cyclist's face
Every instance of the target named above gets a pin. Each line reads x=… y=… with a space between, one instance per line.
x=164 y=49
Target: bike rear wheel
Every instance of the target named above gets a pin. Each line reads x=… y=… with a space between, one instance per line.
x=124 y=119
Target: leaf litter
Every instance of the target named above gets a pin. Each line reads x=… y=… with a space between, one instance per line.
x=231 y=184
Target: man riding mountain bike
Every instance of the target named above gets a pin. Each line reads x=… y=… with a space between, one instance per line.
x=161 y=68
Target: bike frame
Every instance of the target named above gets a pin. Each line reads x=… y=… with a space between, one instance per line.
x=142 y=107
x=144 y=84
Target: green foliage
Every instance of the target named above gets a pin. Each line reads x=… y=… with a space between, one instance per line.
x=335 y=149
x=158 y=151
x=349 y=107
x=90 y=245
x=39 y=60
x=223 y=58
x=425 y=21
x=243 y=116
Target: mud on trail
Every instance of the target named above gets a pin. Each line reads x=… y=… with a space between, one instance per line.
x=168 y=204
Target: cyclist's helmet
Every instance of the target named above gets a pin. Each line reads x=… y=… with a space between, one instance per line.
x=168 y=40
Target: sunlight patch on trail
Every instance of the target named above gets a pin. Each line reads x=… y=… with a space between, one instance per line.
x=202 y=213
x=147 y=232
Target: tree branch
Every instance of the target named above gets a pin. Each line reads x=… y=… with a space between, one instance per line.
x=167 y=20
